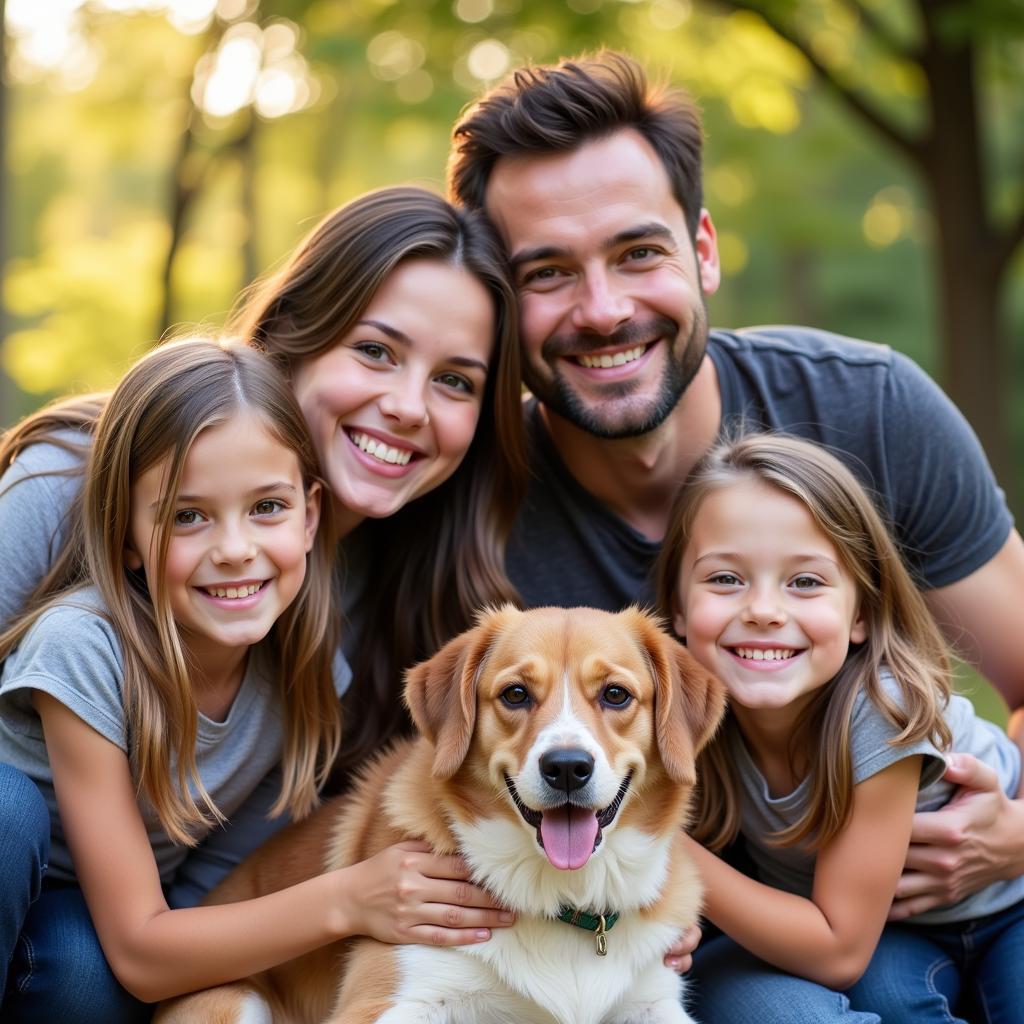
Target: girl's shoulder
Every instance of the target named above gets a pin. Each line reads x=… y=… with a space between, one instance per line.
x=72 y=653
x=873 y=736
x=74 y=628
x=64 y=452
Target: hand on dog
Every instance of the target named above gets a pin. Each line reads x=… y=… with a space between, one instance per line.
x=680 y=954
x=407 y=893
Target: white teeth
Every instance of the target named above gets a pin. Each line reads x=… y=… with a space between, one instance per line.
x=379 y=450
x=604 y=361
x=232 y=592
x=762 y=654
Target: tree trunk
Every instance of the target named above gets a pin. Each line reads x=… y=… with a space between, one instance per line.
x=183 y=188
x=974 y=361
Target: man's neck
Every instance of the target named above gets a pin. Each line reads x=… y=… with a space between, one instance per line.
x=637 y=477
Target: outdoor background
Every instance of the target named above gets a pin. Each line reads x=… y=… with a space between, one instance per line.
x=864 y=163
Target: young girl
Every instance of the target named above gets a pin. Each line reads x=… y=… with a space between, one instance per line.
x=148 y=703
x=782 y=579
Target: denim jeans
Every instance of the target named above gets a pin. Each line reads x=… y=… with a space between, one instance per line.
x=50 y=955
x=24 y=851
x=941 y=974
x=728 y=985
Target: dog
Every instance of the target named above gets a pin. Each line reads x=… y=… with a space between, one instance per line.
x=556 y=753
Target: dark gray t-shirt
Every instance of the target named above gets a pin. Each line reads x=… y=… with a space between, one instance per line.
x=882 y=415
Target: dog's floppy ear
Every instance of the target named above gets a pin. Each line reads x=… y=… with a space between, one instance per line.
x=688 y=700
x=440 y=693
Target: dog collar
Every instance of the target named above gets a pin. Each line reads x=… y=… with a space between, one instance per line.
x=597 y=923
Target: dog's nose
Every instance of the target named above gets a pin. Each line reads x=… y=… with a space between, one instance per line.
x=567 y=768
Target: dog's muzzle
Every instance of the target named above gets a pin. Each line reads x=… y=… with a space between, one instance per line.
x=566 y=832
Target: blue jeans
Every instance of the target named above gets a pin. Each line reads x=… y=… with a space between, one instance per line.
x=941 y=974
x=728 y=985
x=24 y=851
x=53 y=964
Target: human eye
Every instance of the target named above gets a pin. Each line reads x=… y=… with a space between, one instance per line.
x=187 y=517
x=268 y=507
x=725 y=579
x=542 y=277
x=456 y=382
x=374 y=351
x=805 y=582
x=640 y=253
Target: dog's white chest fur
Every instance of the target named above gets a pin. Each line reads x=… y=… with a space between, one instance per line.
x=542 y=972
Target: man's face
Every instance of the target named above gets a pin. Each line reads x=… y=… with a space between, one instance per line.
x=613 y=323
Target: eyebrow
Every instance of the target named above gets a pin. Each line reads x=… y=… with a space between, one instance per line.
x=198 y=499
x=403 y=339
x=797 y=560
x=651 y=229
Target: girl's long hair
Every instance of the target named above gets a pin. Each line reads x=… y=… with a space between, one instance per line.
x=901 y=634
x=154 y=415
x=438 y=559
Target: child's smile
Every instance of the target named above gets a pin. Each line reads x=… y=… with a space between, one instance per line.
x=765 y=600
x=241 y=527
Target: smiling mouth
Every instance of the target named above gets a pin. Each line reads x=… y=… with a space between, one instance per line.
x=764 y=653
x=235 y=592
x=379 y=450
x=606 y=360
x=569 y=834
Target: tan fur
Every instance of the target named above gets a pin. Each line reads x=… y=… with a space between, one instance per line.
x=468 y=737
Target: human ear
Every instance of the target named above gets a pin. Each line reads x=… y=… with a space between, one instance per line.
x=679 y=623
x=859 y=629
x=705 y=247
x=313 y=495
x=132 y=559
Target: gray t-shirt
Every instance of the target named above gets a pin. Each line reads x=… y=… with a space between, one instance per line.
x=73 y=653
x=878 y=412
x=36 y=491
x=791 y=868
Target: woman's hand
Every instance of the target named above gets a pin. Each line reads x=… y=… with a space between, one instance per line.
x=976 y=839
x=407 y=893
x=680 y=954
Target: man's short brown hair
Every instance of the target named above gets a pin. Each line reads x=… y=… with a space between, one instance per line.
x=559 y=107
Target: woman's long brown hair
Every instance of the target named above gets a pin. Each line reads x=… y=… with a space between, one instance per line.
x=441 y=557
x=154 y=414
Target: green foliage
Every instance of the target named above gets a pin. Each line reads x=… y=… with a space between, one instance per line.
x=819 y=222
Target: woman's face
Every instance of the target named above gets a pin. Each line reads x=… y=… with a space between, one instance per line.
x=393 y=406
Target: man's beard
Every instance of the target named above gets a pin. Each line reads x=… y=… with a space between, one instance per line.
x=642 y=417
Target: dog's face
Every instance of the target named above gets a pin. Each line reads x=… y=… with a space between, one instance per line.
x=568 y=715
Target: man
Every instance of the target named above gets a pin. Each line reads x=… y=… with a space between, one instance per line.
x=594 y=182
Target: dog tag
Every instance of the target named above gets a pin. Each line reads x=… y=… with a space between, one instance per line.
x=600 y=938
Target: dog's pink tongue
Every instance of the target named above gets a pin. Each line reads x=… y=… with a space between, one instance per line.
x=569 y=833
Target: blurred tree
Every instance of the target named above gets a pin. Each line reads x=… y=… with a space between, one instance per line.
x=949 y=52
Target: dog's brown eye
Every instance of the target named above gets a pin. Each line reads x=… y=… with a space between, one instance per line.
x=516 y=696
x=616 y=696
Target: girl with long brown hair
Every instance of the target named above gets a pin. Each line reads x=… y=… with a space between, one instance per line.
x=782 y=579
